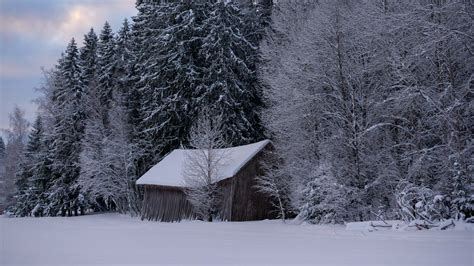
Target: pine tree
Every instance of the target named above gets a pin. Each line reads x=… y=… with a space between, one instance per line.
x=41 y=178
x=170 y=72
x=64 y=193
x=106 y=69
x=257 y=17
x=107 y=183
x=123 y=58
x=32 y=177
x=126 y=118
x=126 y=77
x=230 y=78
x=88 y=61
x=264 y=12
x=188 y=55
x=143 y=67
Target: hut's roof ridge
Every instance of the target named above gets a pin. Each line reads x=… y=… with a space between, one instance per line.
x=169 y=171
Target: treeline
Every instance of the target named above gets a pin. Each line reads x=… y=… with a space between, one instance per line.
x=115 y=106
x=370 y=104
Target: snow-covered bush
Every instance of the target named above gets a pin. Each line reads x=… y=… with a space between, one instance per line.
x=323 y=200
x=421 y=203
x=461 y=186
x=462 y=206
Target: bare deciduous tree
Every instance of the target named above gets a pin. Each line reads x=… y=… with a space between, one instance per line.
x=276 y=183
x=16 y=139
x=203 y=164
x=376 y=92
x=106 y=169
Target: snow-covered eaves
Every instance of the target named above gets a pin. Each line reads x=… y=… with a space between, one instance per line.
x=170 y=170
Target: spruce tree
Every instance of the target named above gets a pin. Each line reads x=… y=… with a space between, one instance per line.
x=88 y=60
x=165 y=45
x=257 y=16
x=64 y=193
x=106 y=68
x=144 y=32
x=126 y=76
x=41 y=170
x=123 y=58
x=189 y=55
x=127 y=98
x=172 y=93
x=31 y=180
x=230 y=80
x=126 y=54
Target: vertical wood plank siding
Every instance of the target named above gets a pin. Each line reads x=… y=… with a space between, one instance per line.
x=247 y=203
x=240 y=201
x=166 y=204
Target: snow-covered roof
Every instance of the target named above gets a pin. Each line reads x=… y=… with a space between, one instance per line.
x=169 y=171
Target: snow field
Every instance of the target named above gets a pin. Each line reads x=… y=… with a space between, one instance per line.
x=112 y=239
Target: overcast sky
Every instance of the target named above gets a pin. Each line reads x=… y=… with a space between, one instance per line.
x=33 y=33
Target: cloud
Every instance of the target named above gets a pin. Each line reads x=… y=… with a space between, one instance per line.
x=58 y=21
x=33 y=33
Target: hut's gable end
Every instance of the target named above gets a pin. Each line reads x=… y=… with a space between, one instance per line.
x=247 y=202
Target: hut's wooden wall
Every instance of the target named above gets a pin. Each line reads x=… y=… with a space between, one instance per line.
x=240 y=200
x=247 y=202
x=225 y=190
x=165 y=204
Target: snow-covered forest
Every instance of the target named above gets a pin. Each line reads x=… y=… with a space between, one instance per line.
x=368 y=104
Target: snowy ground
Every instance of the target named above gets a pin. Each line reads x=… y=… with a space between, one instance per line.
x=113 y=239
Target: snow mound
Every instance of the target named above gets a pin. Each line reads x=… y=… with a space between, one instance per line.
x=372 y=225
x=415 y=225
x=169 y=171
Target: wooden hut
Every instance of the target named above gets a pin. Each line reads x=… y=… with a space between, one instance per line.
x=165 y=200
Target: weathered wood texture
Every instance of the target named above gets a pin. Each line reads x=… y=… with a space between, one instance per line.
x=166 y=204
x=240 y=200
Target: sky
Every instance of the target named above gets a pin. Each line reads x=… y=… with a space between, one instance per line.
x=33 y=33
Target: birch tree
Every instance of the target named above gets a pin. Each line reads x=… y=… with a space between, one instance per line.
x=17 y=134
x=93 y=174
x=203 y=165
x=119 y=152
x=276 y=183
